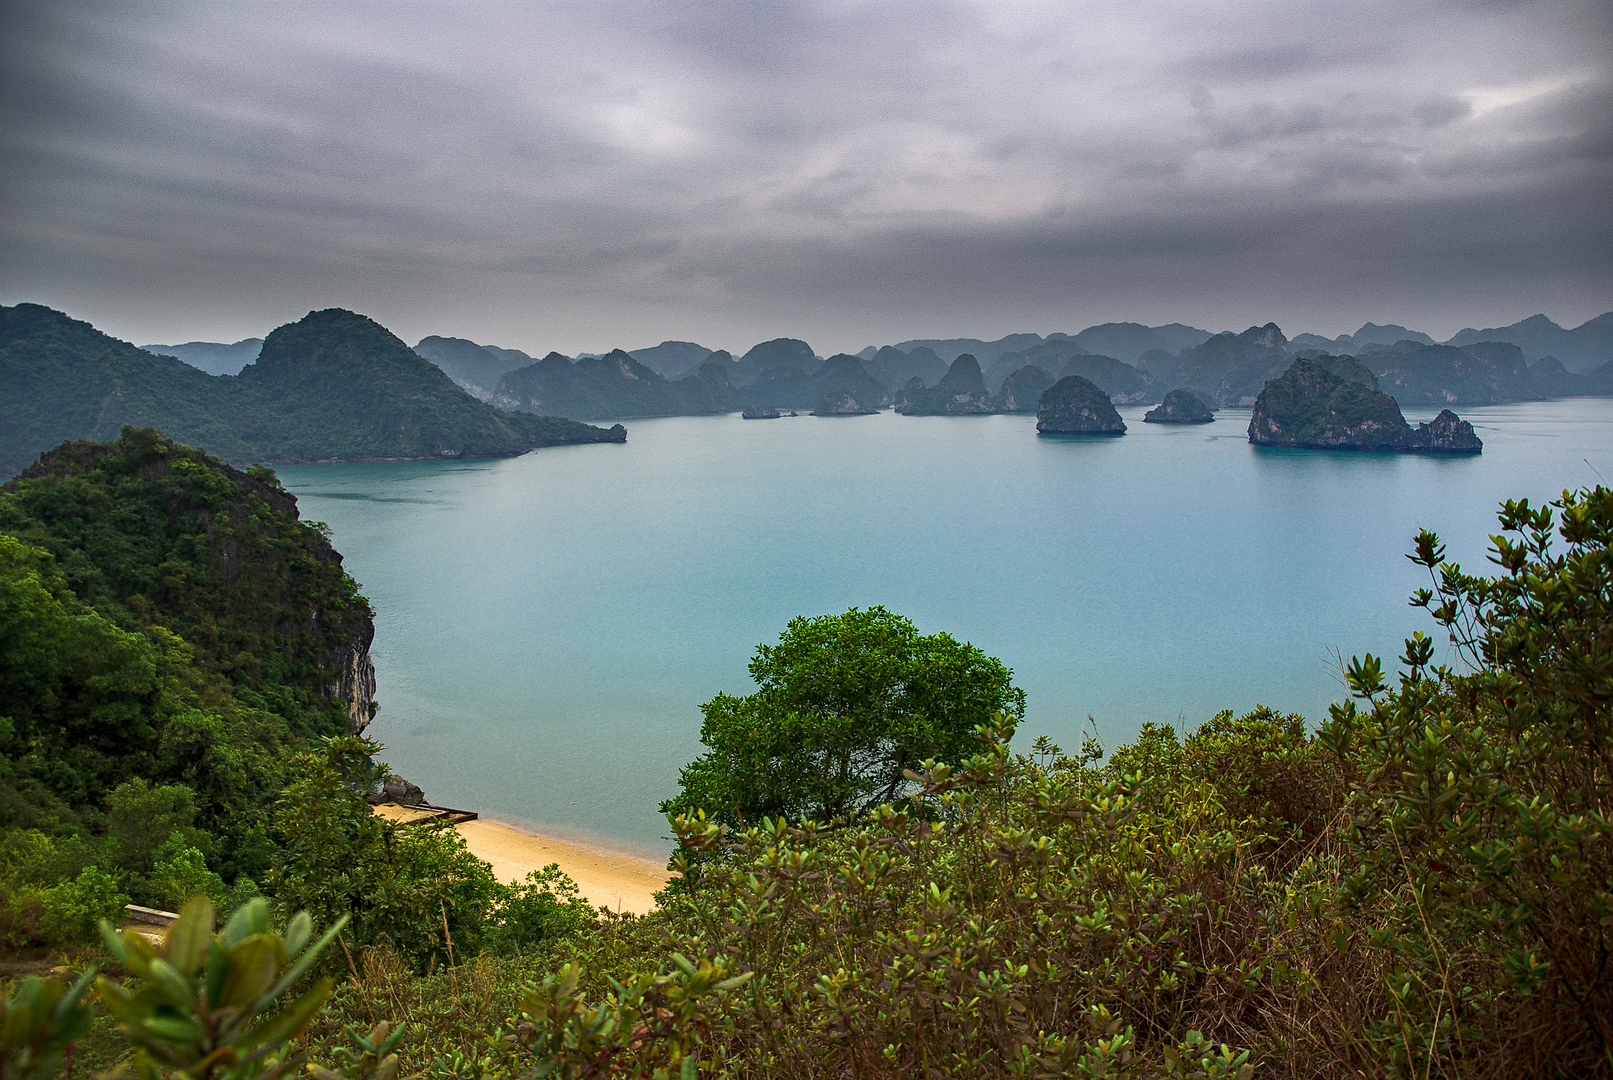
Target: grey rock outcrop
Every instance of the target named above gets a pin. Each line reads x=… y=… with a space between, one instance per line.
x=1310 y=406
x=400 y=791
x=1075 y=406
x=841 y=402
x=759 y=412
x=1181 y=406
x=1446 y=433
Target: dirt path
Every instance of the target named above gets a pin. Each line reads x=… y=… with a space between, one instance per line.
x=607 y=878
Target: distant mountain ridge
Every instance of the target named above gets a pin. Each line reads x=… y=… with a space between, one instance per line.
x=476 y=368
x=333 y=386
x=1581 y=349
x=1131 y=362
x=213 y=357
x=614 y=385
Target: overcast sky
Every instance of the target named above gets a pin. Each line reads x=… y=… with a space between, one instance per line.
x=584 y=175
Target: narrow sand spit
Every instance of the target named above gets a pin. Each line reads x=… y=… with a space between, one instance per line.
x=606 y=878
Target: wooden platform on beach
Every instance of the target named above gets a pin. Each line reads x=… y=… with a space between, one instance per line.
x=424 y=814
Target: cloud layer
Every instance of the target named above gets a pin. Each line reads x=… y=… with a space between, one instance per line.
x=581 y=175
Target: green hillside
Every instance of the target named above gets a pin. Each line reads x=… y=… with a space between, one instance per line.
x=63 y=379
x=334 y=386
x=340 y=387
x=166 y=619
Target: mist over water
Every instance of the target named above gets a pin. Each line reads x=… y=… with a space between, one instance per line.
x=547 y=626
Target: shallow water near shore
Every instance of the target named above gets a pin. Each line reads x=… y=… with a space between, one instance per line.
x=547 y=626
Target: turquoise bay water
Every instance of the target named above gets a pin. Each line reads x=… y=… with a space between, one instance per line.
x=547 y=626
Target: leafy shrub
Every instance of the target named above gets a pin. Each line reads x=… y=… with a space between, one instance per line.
x=211 y=1006
x=71 y=911
x=142 y=817
x=418 y=889
x=38 y=1025
x=184 y=874
x=25 y=858
x=544 y=907
x=1266 y=767
x=1482 y=813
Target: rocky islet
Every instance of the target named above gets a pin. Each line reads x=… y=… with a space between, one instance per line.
x=1076 y=406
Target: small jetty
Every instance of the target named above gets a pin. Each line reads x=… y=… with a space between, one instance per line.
x=424 y=813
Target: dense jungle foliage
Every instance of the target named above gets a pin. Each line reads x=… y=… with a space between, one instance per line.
x=173 y=645
x=1419 y=885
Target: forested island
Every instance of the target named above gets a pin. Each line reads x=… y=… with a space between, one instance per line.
x=870 y=879
x=1333 y=403
x=334 y=386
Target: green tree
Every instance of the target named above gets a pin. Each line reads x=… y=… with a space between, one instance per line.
x=845 y=705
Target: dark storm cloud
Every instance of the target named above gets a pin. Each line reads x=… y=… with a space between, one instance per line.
x=580 y=175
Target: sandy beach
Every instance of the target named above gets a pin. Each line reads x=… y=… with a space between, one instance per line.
x=607 y=878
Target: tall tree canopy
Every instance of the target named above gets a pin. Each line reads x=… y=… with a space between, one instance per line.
x=844 y=705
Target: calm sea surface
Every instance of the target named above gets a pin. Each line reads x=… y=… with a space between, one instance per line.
x=547 y=626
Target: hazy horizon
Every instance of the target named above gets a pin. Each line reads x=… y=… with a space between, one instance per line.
x=741 y=349
x=577 y=177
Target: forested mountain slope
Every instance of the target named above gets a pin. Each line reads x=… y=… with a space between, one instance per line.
x=334 y=386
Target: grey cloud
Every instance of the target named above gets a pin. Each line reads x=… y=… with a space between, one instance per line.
x=575 y=175
x=1437 y=110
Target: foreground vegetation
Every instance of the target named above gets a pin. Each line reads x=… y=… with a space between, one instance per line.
x=1418 y=886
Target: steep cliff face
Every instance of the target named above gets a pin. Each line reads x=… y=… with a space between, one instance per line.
x=1310 y=406
x=1075 y=406
x=354 y=687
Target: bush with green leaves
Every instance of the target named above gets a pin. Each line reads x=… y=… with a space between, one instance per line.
x=38 y=1025
x=1481 y=803
x=72 y=910
x=205 y=1004
x=184 y=874
x=213 y=1005
x=544 y=907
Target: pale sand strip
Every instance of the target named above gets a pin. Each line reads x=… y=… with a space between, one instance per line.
x=606 y=878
